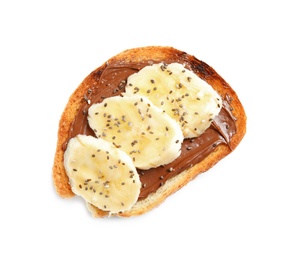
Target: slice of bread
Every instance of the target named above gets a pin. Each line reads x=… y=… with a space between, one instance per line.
x=131 y=58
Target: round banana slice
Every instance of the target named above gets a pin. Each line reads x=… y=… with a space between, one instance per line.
x=148 y=135
x=102 y=174
x=192 y=102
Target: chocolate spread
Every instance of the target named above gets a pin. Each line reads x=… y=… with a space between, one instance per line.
x=110 y=79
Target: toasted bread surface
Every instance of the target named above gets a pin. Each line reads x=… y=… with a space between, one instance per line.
x=144 y=54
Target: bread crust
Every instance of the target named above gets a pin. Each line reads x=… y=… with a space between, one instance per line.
x=158 y=54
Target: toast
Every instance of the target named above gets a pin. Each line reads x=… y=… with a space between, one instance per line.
x=198 y=154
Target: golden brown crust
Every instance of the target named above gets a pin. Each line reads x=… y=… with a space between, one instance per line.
x=157 y=53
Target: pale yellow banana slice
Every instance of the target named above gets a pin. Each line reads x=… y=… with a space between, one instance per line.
x=147 y=134
x=103 y=175
x=191 y=101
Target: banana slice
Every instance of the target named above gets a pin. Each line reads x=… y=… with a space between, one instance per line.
x=102 y=174
x=148 y=135
x=192 y=102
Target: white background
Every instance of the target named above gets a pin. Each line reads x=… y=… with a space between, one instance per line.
x=243 y=208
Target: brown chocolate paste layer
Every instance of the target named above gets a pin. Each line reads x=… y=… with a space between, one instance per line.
x=110 y=80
